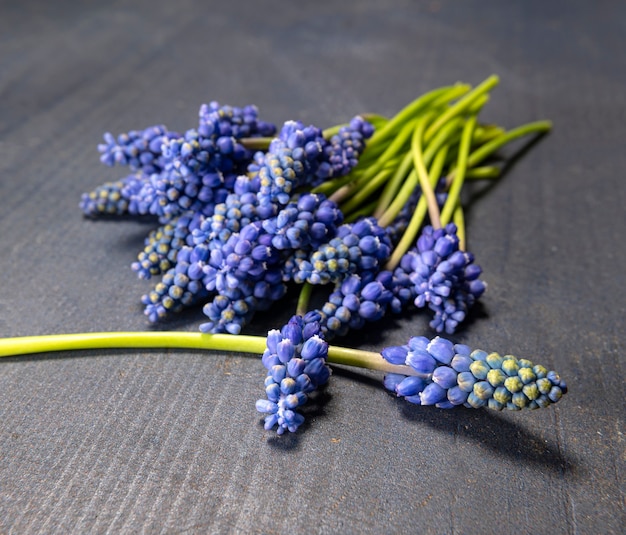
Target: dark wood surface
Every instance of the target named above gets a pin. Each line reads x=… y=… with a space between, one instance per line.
x=169 y=441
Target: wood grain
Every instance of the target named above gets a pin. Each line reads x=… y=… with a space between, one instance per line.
x=169 y=442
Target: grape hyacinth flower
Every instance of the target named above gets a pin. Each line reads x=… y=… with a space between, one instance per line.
x=295 y=358
x=178 y=172
x=304 y=223
x=163 y=244
x=362 y=247
x=346 y=146
x=114 y=198
x=238 y=253
x=448 y=375
x=188 y=277
x=245 y=272
x=238 y=209
x=139 y=149
x=191 y=177
x=302 y=156
x=290 y=159
x=355 y=301
x=230 y=121
x=403 y=288
x=444 y=277
x=181 y=286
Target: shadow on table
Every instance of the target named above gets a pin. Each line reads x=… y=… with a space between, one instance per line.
x=488 y=428
x=314 y=408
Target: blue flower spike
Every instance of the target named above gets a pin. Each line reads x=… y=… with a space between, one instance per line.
x=439 y=275
x=295 y=358
x=449 y=375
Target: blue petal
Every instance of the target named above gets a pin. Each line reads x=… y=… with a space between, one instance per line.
x=441 y=349
x=421 y=361
x=445 y=377
x=314 y=347
x=285 y=350
x=295 y=367
x=432 y=394
x=278 y=373
x=391 y=380
x=418 y=343
x=395 y=354
x=457 y=396
x=270 y=421
x=410 y=386
x=461 y=363
x=266 y=406
x=272 y=391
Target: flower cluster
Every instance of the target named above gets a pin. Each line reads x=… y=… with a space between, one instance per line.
x=355 y=301
x=244 y=211
x=139 y=149
x=245 y=266
x=361 y=247
x=114 y=198
x=245 y=273
x=295 y=358
x=162 y=245
x=177 y=173
x=443 y=277
x=448 y=375
x=302 y=156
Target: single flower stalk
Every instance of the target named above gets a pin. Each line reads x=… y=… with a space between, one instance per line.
x=426 y=372
x=451 y=375
x=295 y=358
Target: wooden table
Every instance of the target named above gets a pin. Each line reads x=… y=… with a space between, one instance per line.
x=142 y=441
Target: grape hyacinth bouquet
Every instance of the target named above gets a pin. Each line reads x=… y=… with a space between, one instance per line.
x=370 y=211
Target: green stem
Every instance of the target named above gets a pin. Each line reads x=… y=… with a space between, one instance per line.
x=436 y=168
x=390 y=194
x=303 y=299
x=356 y=181
x=459 y=172
x=412 y=109
x=392 y=150
x=408 y=238
x=391 y=188
x=181 y=340
x=256 y=143
x=448 y=134
x=370 y=360
x=461 y=105
x=418 y=161
x=484 y=172
x=108 y=340
x=537 y=127
x=408 y=186
x=486 y=132
x=379 y=153
x=363 y=193
x=486 y=150
x=332 y=186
